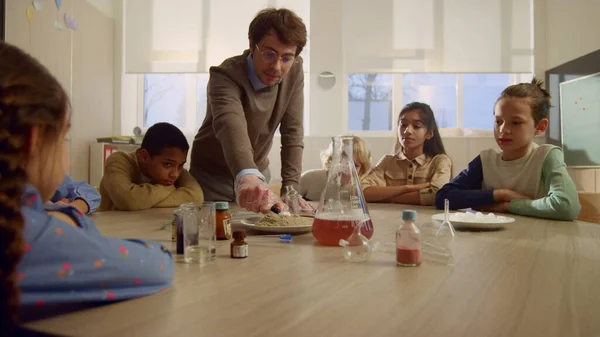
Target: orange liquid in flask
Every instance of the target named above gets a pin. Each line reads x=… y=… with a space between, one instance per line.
x=328 y=229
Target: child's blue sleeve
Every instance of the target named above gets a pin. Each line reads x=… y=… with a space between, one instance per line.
x=63 y=263
x=464 y=190
x=73 y=190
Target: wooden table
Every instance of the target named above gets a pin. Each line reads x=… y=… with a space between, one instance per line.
x=535 y=278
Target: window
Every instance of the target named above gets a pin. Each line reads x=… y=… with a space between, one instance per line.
x=459 y=101
x=370 y=102
x=437 y=90
x=479 y=93
x=180 y=99
x=201 y=95
x=164 y=99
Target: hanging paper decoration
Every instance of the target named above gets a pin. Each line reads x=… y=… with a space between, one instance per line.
x=30 y=14
x=37 y=5
x=74 y=24
x=58 y=25
x=71 y=22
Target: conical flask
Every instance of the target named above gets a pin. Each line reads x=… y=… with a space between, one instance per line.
x=342 y=205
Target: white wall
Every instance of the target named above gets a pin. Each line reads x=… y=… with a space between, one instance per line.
x=563 y=31
x=539 y=37
x=572 y=29
x=92 y=89
x=108 y=7
x=326 y=105
x=117 y=15
x=81 y=60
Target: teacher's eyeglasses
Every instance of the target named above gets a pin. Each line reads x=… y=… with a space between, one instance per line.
x=271 y=56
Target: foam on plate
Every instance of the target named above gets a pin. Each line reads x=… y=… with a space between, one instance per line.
x=474 y=217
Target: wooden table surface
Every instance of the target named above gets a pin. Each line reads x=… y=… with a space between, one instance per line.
x=535 y=278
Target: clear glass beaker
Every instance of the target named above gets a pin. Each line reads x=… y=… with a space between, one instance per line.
x=342 y=205
x=199 y=233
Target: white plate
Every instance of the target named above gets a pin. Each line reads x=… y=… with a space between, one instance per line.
x=498 y=224
x=250 y=223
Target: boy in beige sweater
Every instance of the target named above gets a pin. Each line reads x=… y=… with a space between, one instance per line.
x=152 y=176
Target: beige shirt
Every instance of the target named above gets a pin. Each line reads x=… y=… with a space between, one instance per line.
x=124 y=187
x=397 y=170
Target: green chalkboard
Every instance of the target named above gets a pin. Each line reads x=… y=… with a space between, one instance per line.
x=580 y=120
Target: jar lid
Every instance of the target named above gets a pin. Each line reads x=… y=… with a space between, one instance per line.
x=221 y=205
x=409 y=215
x=239 y=234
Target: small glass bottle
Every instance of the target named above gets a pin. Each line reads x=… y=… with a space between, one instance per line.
x=174 y=228
x=408 y=241
x=291 y=199
x=239 y=246
x=178 y=229
x=223 y=220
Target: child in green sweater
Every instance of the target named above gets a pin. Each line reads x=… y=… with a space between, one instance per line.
x=524 y=178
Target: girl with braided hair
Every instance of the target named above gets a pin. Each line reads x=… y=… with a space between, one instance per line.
x=52 y=253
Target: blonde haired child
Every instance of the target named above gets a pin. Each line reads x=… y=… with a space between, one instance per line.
x=523 y=178
x=312 y=182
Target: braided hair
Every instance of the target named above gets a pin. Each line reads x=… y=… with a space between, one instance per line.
x=29 y=97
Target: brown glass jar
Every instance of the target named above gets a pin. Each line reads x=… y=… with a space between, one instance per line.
x=223 y=230
x=239 y=246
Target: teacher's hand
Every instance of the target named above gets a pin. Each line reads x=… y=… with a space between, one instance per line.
x=255 y=196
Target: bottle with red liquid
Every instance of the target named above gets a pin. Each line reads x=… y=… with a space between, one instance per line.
x=408 y=241
x=342 y=206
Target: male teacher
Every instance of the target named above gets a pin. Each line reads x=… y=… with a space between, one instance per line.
x=249 y=96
